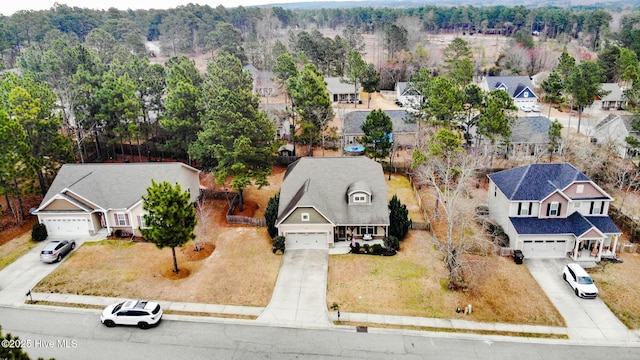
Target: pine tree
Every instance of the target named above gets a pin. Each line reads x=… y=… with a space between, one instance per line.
x=271 y=215
x=171 y=217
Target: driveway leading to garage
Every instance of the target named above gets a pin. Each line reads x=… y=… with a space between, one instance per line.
x=23 y=274
x=299 y=298
x=588 y=320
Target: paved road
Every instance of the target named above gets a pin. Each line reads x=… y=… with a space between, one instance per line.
x=588 y=320
x=79 y=335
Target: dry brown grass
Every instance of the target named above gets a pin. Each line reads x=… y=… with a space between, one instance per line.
x=414 y=282
x=11 y=250
x=618 y=285
x=399 y=185
x=241 y=271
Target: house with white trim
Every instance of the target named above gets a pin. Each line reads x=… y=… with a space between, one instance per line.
x=330 y=199
x=553 y=211
x=519 y=88
x=85 y=199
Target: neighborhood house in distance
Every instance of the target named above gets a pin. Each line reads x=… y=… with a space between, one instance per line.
x=553 y=211
x=519 y=88
x=87 y=198
x=324 y=200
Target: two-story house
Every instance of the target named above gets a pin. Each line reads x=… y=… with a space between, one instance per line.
x=553 y=211
x=323 y=200
x=519 y=88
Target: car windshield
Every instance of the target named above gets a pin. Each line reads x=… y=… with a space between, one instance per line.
x=585 y=280
x=116 y=308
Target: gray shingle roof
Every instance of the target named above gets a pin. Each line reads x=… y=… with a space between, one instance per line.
x=576 y=224
x=113 y=186
x=323 y=183
x=614 y=92
x=536 y=181
x=336 y=85
x=403 y=122
x=514 y=84
x=531 y=130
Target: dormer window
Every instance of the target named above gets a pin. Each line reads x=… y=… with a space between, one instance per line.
x=359 y=198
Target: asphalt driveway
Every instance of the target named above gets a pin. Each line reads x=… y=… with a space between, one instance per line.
x=588 y=320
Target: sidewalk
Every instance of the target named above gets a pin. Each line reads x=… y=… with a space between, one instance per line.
x=371 y=320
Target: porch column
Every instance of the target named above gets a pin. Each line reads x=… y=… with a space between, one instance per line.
x=614 y=244
x=599 y=257
x=576 y=251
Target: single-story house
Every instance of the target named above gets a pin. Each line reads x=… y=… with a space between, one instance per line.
x=614 y=129
x=407 y=95
x=530 y=136
x=405 y=127
x=324 y=200
x=553 y=211
x=342 y=91
x=519 y=88
x=85 y=199
x=263 y=81
x=613 y=99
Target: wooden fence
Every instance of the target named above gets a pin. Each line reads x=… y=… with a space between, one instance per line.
x=426 y=225
x=243 y=220
x=625 y=223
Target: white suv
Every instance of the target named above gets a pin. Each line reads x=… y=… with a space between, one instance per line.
x=144 y=314
x=580 y=281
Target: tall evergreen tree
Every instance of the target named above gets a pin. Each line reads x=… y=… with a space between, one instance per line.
x=398 y=218
x=377 y=138
x=170 y=218
x=236 y=136
x=271 y=215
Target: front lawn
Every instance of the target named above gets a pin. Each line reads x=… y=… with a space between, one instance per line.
x=414 y=282
x=241 y=271
x=619 y=289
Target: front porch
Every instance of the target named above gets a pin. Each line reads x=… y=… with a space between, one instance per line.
x=366 y=233
x=594 y=250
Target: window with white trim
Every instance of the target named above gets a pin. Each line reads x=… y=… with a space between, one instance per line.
x=596 y=207
x=122 y=219
x=141 y=223
x=305 y=217
x=373 y=230
x=577 y=204
x=554 y=209
x=360 y=198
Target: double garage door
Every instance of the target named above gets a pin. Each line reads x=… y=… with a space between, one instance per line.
x=308 y=241
x=544 y=248
x=67 y=226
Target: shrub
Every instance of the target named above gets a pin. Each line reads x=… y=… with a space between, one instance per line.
x=399 y=217
x=377 y=249
x=271 y=215
x=366 y=247
x=278 y=244
x=118 y=233
x=391 y=242
x=355 y=248
x=39 y=232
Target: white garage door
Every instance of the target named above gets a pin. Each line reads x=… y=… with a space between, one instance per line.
x=544 y=249
x=67 y=226
x=306 y=241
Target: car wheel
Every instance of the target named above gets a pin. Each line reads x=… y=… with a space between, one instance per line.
x=73 y=245
x=577 y=294
x=59 y=258
x=109 y=323
x=143 y=325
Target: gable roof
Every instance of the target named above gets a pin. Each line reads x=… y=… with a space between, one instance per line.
x=614 y=92
x=531 y=130
x=403 y=122
x=536 y=181
x=323 y=183
x=627 y=121
x=404 y=89
x=337 y=85
x=513 y=85
x=576 y=224
x=112 y=186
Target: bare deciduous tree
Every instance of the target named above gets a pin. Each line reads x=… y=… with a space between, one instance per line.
x=449 y=176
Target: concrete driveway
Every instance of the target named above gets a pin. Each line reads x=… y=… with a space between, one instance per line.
x=588 y=320
x=23 y=274
x=299 y=297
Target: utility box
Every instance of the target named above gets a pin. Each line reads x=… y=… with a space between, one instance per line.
x=518 y=256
